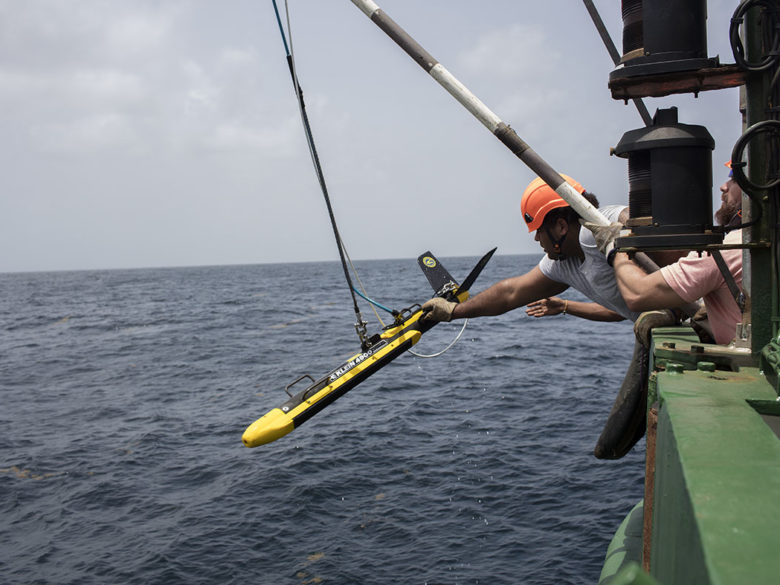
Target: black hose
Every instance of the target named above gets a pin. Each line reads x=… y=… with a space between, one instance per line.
x=360 y=325
x=750 y=188
x=773 y=21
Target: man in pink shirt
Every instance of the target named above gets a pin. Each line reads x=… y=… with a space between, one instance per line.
x=693 y=276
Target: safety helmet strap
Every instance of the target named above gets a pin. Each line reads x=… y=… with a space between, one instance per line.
x=556 y=242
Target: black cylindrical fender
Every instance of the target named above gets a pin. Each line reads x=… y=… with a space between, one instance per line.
x=627 y=420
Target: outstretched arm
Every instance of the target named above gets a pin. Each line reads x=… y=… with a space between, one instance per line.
x=642 y=291
x=503 y=296
x=554 y=306
x=509 y=294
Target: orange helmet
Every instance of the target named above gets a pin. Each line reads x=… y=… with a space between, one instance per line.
x=539 y=199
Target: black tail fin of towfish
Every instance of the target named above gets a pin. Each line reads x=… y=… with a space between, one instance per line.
x=476 y=271
x=441 y=281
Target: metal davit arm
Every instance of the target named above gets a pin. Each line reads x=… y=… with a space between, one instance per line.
x=480 y=111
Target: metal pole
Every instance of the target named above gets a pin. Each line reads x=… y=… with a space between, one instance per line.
x=480 y=111
x=493 y=123
x=615 y=56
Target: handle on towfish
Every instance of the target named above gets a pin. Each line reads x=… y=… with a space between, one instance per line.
x=489 y=119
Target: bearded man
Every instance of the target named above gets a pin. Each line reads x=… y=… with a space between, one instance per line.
x=694 y=276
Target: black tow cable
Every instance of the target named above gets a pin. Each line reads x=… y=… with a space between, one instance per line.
x=360 y=325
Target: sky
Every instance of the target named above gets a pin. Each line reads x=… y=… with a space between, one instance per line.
x=166 y=132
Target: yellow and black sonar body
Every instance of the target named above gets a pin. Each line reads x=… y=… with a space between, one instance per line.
x=383 y=348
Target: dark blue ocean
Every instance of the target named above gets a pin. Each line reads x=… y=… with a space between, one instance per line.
x=124 y=394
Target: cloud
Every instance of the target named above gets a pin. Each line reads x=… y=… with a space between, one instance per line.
x=100 y=76
x=521 y=85
x=51 y=35
x=92 y=133
x=509 y=54
x=176 y=119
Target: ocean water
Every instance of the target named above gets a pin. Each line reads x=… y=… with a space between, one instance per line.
x=124 y=394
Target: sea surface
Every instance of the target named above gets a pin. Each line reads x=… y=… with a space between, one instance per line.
x=124 y=394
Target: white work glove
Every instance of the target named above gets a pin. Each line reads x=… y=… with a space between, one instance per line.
x=605 y=236
x=438 y=309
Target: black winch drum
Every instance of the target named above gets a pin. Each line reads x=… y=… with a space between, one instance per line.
x=670 y=184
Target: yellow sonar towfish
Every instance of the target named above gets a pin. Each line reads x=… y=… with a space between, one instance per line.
x=383 y=348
